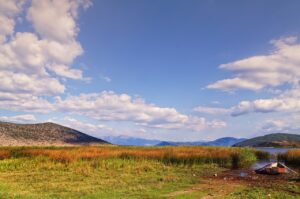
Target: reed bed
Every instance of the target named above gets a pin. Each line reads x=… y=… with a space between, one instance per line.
x=292 y=157
x=225 y=157
x=5 y=154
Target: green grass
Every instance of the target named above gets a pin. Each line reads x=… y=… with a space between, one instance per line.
x=110 y=178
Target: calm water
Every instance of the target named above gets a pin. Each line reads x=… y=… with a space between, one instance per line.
x=274 y=151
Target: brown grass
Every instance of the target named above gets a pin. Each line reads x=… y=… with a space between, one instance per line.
x=170 y=155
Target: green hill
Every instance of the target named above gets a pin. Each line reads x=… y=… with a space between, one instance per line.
x=43 y=134
x=272 y=140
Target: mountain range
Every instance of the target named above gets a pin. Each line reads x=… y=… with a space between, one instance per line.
x=132 y=141
x=225 y=141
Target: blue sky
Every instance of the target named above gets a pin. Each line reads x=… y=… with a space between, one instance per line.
x=172 y=70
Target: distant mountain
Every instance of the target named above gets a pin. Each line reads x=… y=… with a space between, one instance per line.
x=226 y=141
x=164 y=143
x=130 y=141
x=272 y=140
x=43 y=134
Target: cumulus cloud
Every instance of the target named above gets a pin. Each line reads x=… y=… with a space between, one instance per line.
x=211 y=110
x=55 y=19
x=8 y=10
x=288 y=101
x=255 y=73
x=34 y=62
x=24 y=102
x=109 y=106
x=83 y=126
x=18 y=118
x=289 y=124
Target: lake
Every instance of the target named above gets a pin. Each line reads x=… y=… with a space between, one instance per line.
x=273 y=151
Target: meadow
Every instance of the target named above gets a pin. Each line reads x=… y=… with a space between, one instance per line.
x=128 y=172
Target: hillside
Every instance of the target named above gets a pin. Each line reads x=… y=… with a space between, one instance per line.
x=272 y=140
x=12 y=134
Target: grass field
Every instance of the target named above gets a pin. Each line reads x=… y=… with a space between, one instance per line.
x=128 y=172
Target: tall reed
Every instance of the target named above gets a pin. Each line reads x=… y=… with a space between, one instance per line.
x=291 y=157
x=226 y=157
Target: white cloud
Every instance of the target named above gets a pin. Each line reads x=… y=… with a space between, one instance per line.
x=55 y=19
x=32 y=64
x=289 y=124
x=82 y=126
x=18 y=118
x=211 y=110
x=64 y=71
x=255 y=73
x=288 y=101
x=33 y=84
x=8 y=10
x=106 y=78
x=24 y=102
x=108 y=106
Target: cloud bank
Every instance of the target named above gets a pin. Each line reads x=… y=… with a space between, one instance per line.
x=255 y=73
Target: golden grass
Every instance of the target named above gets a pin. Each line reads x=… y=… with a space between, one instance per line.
x=177 y=155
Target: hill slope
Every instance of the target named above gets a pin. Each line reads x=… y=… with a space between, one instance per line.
x=43 y=134
x=272 y=140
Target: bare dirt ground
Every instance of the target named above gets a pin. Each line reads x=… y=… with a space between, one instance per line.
x=222 y=184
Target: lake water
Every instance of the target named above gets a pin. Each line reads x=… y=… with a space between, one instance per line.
x=273 y=151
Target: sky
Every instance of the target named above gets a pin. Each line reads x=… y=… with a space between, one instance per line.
x=178 y=70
